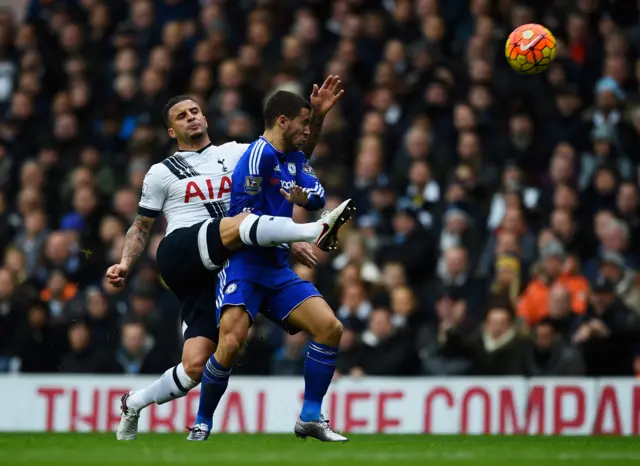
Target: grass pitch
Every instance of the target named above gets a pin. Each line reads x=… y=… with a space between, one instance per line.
x=172 y=449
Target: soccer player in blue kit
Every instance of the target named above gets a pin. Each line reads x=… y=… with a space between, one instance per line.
x=269 y=179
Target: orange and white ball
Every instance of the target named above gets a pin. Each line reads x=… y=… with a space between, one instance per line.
x=530 y=49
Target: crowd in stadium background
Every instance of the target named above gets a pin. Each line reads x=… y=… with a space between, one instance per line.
x=497 y=228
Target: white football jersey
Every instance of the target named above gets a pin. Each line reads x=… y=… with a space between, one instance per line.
x=191 y=187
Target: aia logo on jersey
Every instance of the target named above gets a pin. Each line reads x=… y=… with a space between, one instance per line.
x=193 y=190
x=288 y=184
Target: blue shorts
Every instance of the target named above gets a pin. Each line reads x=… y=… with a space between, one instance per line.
x=275 y=295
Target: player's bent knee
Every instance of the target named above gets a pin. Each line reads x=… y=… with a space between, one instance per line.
x=194 y=367
x=234 y=328
x=234 y=318
x=329 y=332
x=230 y=231
x=233 y=342
x=195 y=353
x=337 y=330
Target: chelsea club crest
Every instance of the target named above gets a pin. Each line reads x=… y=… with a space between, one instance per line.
x=292 y=168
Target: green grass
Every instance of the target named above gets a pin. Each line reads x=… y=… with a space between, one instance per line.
x=159 y=449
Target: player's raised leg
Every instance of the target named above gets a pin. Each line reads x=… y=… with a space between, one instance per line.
x=266 y=230
x=174 y=383
x=314 y=316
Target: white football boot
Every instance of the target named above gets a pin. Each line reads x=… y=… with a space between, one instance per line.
x=320 y=429
x=198 y=433
x=331 y=222
x=128 y=427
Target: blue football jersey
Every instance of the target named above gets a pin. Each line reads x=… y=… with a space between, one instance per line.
x=257 y=178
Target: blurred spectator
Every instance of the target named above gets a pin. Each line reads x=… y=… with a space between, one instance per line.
x=615 y=237
x=384 y=351
x=454 y=271
x=37 y=345
x=628 y=208
x=443 y=347
x=101 y=320
x=550 y=355
x=138 y=352
x=513 y=223
x=60 y=253
x=81 y=357
x=507 y=281
x=408 y=315
x=32 y=238
x=458 y=230
x=533 y=306
x=609 y=333
x=602 y=153
x=625 y=280
x=393 y=276
x=564 y=320
x=513 y=182
x=355 y=253
x=412 y=245
x=498 y=350
x=59 y=294
x=11 y=316
x=355 y=307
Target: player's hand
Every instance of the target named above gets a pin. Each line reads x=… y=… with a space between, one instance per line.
x=324 y=98
x=296 y=195
x=116 y=274
x=305 y=254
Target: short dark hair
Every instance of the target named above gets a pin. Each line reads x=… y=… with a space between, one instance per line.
x=550 y=322
x=283 y=103
x=172 y=101
x=502 y=302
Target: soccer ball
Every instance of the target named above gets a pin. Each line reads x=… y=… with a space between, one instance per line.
x=530 y=49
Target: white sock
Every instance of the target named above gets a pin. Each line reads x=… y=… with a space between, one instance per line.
x=174 y=383
x=272 y=231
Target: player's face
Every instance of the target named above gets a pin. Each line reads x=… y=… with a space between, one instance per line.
x=297 y=130
x=188 y=124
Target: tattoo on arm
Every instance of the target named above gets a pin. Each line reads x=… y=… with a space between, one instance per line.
x=136 y=239
x=315 y=126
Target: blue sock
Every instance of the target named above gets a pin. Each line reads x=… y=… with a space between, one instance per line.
x=319 y=367
x=215 y=379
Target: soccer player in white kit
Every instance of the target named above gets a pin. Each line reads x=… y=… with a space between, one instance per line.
x=192 y=189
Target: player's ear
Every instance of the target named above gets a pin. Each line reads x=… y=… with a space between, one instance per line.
x=172 y=133
x=282 y=121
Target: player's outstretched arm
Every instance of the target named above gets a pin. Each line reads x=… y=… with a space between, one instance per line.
x=308 y=183
x=134 y=245
x=322 y=100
